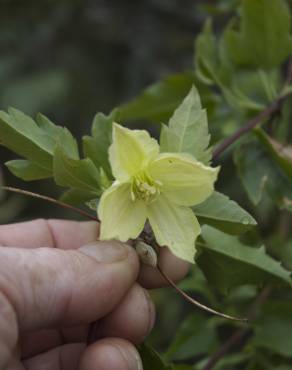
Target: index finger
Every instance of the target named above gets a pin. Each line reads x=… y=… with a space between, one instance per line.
x=62 y=234
x=66 y=234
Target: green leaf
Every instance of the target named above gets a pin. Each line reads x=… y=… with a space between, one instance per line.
x=187 y=130
x=274 y=327
x=77 y=197
x=259 y=174
x=214 y=67
x=93 y=204
x=34 y=141
x=58 y=134
x=231 y=362
x=264 y=38
x=211 y=62
x=96 y=146
x=226 y=262
x=228 y=362
x=80 y=174
x=253 y=169
x=206 y=55
x=151 y=359
x=281 y=154
x=27 y=170
x=195 y=336
x=158 y=101
x=285 y=254
x=19 y=133
x=224 y=214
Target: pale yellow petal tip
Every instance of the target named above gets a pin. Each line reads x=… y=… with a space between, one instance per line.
x=107 y=235
x=190 y=257
x=188 y=253
x=117 y=128
x=216 y=172
x=142 y=138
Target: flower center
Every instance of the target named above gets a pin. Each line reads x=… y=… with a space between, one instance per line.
x=144 y=188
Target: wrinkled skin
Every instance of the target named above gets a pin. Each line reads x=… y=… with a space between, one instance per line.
x=55 y=279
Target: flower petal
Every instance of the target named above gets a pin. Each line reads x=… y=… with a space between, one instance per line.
x=185 y=181
x=175 y=227
x=130 y=151
x=121 y=218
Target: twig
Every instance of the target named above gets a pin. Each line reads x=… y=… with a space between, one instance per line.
x=271 y=109
x=196 y=303
x=149 y=238
x=52 y=200
x=251 y=124
x=240 y=333
x=268 y=112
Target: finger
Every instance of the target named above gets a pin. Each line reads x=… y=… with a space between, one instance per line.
x=36 y=342
x=174 y=267
x=15 y=365
x=110 y=354
x=132 y=319
x=71 y=235
x=61 y=287
x=107 y=354
x=65 y=287
x=65 y=357
x=49 y=233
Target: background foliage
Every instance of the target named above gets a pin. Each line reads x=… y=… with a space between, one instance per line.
x=71 y=59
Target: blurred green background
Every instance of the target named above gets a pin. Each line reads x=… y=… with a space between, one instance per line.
x=71 y=58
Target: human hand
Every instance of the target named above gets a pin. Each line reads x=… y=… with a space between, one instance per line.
x=51 y=289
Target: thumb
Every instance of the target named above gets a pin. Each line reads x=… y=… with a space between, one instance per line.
x=47 y=287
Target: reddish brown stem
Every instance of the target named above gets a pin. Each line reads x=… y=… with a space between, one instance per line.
x=196 y=303
x=271 y=109
x=251 y=124
x=52 y=200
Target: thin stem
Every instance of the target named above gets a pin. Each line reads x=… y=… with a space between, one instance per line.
x=196 y=303
x=51 y=200
x=146 y=237
x=268 y=112
x=251 y=124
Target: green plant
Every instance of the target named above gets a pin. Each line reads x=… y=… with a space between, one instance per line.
x=243 y=78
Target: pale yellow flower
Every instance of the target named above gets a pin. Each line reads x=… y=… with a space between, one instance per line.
x=159 y=187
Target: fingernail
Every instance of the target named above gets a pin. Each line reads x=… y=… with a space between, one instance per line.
x=106 y=252
x=132 y=359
